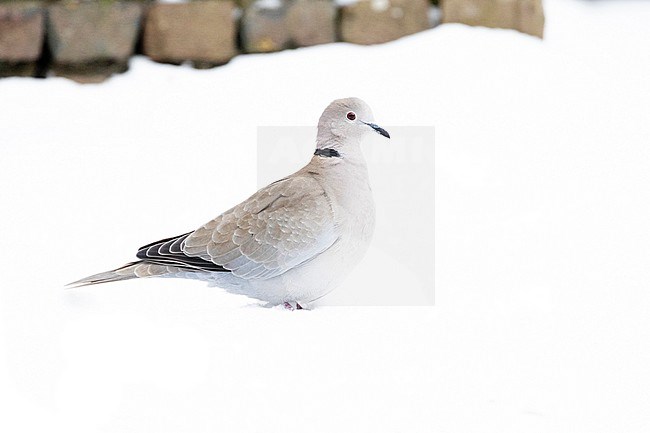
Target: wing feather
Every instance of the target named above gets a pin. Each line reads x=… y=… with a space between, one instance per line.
x=279 y=227
x=168 y=252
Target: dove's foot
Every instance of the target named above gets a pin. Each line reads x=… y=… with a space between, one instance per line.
x=295 y=306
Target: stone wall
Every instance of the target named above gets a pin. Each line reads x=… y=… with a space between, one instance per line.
x=527 y=16
x=90 y=40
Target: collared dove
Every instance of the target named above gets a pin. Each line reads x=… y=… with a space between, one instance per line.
x=291 y=242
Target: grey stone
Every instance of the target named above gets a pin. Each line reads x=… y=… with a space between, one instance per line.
x=526 y=16
x=378 y=21
x=201 y=31
x=18 y=69
x=311 y=22
x=243 y=4
x=486 y=13
x=264 y=27
x=83 y=32
x=87 y=73
x=21 y=37
x=531 y=18
x=279 y=24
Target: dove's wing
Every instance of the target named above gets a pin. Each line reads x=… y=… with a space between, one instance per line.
x=281 y=226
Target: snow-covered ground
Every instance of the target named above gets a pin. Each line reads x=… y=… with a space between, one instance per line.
x=542 y=315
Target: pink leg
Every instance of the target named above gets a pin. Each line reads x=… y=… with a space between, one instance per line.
x=293 y=306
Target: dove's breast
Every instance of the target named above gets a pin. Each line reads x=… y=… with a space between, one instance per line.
x=353 y=209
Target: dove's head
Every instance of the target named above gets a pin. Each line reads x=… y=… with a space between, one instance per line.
x=346 y=121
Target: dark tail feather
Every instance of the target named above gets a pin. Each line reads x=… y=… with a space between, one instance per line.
x=125 y=272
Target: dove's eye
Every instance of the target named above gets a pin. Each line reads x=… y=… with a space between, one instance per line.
x=351 y=115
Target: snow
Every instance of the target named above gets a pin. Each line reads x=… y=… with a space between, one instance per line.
x=541 y=319
x=268 y=4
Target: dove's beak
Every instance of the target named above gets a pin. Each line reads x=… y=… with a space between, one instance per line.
x=378 y=129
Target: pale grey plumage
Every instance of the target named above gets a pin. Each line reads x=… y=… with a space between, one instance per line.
x=292 y=241
x=276 y=229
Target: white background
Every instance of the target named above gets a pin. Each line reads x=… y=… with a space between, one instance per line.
x=541 y=320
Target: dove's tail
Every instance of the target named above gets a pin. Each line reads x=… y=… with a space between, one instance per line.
x=138 y=269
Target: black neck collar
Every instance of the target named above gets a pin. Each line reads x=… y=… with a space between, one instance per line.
x=327 y=153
